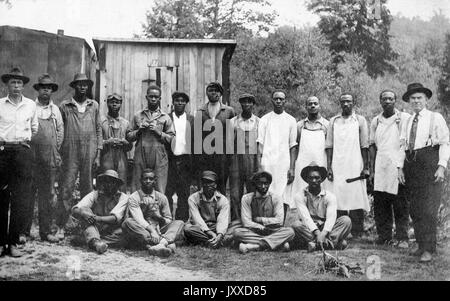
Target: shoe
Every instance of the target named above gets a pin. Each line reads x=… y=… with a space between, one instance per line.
x=159 y=250
x=2 y=250
x=51 y=238
x=417 y=252
x=172 y=247
x=403 y=244
x=286 y=247
x=343 y=245
x=245 y=248
x=14 y=251
x=22 y=239
x=99 y=246
x=426 y=257
x=60 y=234
x=311 y=247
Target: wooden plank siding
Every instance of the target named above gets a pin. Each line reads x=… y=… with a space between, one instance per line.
x=130 y=64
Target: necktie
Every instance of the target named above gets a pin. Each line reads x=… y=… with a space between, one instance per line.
x=412 y=135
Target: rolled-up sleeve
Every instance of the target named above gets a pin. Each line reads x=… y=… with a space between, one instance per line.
x=223 y=219
x=135 y=210
x=87 y=201
x=246 y=212
x=119 y=210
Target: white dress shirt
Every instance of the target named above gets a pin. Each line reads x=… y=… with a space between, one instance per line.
x=180 y=137
x=18 y=122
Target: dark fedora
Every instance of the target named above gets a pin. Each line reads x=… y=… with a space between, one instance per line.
x=247 y=96
x=80 y=77
x=114 y=96
x=215 y=85
x=111 y=174
x=177 y=94
x=313 y=166
x=260 y=174
x=416 y=88
x=209 y=175
x=46 y=80
x=16 y=73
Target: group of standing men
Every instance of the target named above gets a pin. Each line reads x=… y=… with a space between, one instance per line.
x=316 y=165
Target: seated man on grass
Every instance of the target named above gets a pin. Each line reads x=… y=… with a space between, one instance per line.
x=262 y=216
x=101 y=212
x=317 y=208
x=149 y=221
x=209 y=211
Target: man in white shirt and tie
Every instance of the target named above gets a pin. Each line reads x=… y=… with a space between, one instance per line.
x=422 y=167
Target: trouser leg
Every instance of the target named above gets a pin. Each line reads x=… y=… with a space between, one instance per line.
x=431 y=201
x=134 y=232
x=91 y=232
x=161 y=174
x=302 y=235
x=173 y=232
x=279 y=237
x=383 y=214
x=114 y=237
x=235 y=194
x=401 y=214
x=172 y=180
x=357 y=217
x=247 y=236
x=341 y=230
x=86 y=177
x=45 y=199
x=69 y=177
x=5 y=179
x=137 y=173
x=194 y=234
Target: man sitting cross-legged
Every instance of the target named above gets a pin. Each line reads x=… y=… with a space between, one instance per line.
x=101 y=212
x=150 y=222
x=262 y=216
x=318 y=210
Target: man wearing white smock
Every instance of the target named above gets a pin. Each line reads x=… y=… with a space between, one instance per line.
x=390 y=202
x=347 y=147
x=311 y=134
x=277 y=138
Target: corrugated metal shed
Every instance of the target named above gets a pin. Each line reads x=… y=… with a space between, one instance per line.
x=128 y=66
x=37 y=52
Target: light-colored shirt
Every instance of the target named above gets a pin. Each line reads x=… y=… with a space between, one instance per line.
x=142 y=207
x=103 y=205
x=81 y=107
x=363 y=129
x=18 y=122
x=439 y=135
x=180 y=138
x=204 y=212
x=269 y=208
x=51 y=111
x=244 y=124
x=314 y=210
x=319 y=124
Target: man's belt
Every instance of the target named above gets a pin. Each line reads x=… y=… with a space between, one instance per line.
x=13 y=143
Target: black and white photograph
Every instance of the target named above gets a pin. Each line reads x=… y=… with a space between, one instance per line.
x=244 y=141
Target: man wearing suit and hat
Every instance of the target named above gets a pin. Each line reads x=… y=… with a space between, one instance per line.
x=317 y=207
x=115 y=146
x=209 y=215
x=213 y=156
x=101 y=212
x=422 y=167
x=82 y=144
x=262 y=217
x=242 y=134
x=18 y=124
x=46 y=145
x=181 y=172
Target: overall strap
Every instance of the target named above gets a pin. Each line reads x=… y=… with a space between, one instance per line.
x=430 y=131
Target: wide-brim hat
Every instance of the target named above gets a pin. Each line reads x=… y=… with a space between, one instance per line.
x=112 y=174
x=247 y=96
x=46 y=79
x=209 y=175
x=257 y=175
x=16 y=73
x=177 y=94
x=416 y=88
x=215 y=85
x=313 y=166
x=80 y=77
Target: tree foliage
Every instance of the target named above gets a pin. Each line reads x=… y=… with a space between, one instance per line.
x=207 y=18
x=353 y=26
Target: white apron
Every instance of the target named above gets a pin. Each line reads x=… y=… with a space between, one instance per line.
x=387 y=140
x=311 y=148
x=348 y=163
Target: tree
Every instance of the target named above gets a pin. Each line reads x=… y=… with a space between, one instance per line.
x=444 y=82
x=207 y=18
x=7 y=2
x=353 y=26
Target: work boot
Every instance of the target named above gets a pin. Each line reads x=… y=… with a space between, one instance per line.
x=159 y=250
x=311 y=246
x=60 y=233
x=245 y=248
x=172 y=247
x=286 y=247
x=426 y=257
x=403 y=244
x=22 y=239
x=343 y=245
x=51 y=238
x=14 y=251
x=99 y=246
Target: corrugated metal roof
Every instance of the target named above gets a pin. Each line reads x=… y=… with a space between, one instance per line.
x=165 y=41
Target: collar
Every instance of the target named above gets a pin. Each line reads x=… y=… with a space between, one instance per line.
x=14 y=104
x=422 y=113
x=397 y=115
x=319 y=120
x=183 y=116
x=151 y=195
x=215 y=197
x=73 y=102
x=322 y=192
x=147 y=111
x=205 y=106
x=39 y=104
x=251 y=119
x=258 y=196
